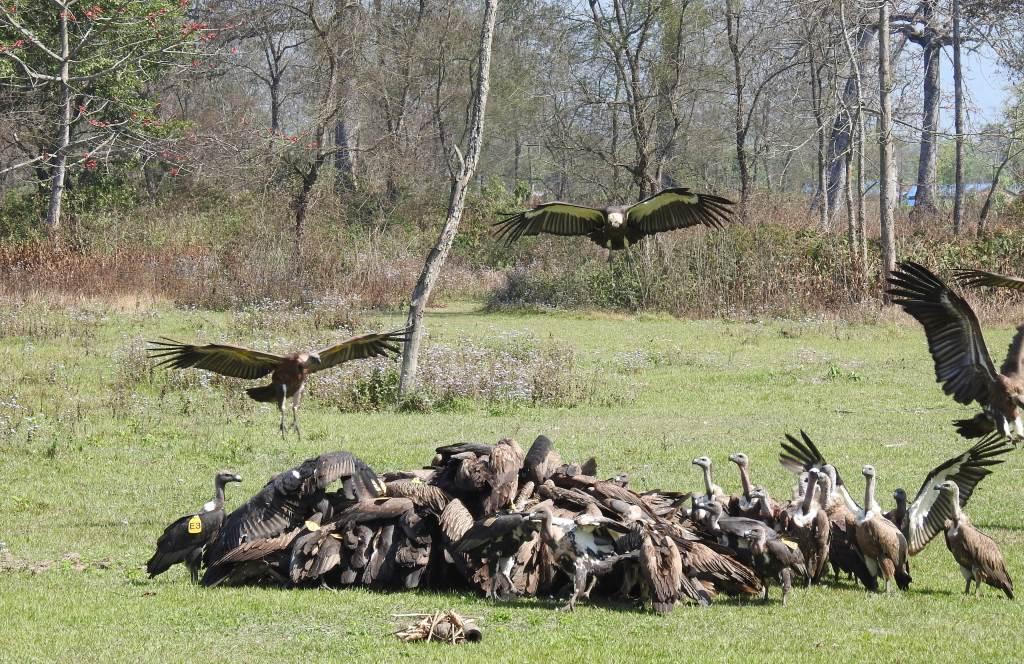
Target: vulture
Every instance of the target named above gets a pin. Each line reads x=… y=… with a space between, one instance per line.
x=776 y=558
x=810 y=525
x=288 y=373
x=962 y=363
x=184 y=540
x=711 y=490
x=619 y=226
x=976 y=553
x=754 y=502
x=269 y=521
x=882 y=544
x=919 y=520
x=498 y=538
x=587 y=546
x=975 y=278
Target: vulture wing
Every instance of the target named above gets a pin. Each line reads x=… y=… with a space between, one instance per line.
x=233 y=361
x=962 y=363
x=289 y=499
x=357 y=348
x=976 y=278
x=675 y=208
x=1012 y=363
x=926 y=516
x=552 y=218
x=799 y=456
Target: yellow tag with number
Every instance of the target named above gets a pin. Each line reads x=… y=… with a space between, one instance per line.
x=790 y=543
x=195 y=525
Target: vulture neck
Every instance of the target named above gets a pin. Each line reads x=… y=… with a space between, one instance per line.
x=869 y=495
x=547 y=530
x=745 y=480
x=805 y=506
x=901 y=508
x=218 y=493
x=707 y=481
x=957 y=513
x=823 y=494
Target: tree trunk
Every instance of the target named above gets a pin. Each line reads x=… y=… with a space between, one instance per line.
x=64 y=138
x=460 y=186
x=887 y=188
x=344 y=166
x=732 y=26
x=958 y=106
x=840 y=138
x=927 y=167
x=860 y=247
x=986 y=208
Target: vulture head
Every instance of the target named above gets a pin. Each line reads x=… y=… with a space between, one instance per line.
x=702 y=462
x=225 y=476
x=868 y=471
x=739 y=458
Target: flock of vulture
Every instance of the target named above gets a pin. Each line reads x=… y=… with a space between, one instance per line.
x=512 y=523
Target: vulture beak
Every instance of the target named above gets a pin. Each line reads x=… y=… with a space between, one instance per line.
x=315 y=358
x=237 y=478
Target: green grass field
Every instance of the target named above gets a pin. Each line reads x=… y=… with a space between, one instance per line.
x=96 y=460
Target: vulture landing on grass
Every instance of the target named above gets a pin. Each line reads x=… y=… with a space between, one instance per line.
x=618 y=226
x=288 y=373
x=184 y=540
x=962 y=363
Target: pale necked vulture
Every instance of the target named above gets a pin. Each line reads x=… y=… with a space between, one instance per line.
x=269 y=521
x=921 y=521
x=184 y=540
x=618 y=226
x=963 y=365
x=752 y=503
x=977 y=554
x=711 y=490
x=288 y=373
x=975 y=278
x=882 y=544
x=809 y=523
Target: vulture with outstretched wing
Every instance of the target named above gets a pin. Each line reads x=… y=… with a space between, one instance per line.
x=618 y=226
x=288 y=373
x=926 y=516
x=274 y=516
x=963 y=365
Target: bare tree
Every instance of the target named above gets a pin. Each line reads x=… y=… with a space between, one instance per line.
x=887 y=187
x=958 y=105
x=461 y=169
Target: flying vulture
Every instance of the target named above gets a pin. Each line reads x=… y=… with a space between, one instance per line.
x=618 y=226
x=288 y=373
x=184 y=540
x=962 y=362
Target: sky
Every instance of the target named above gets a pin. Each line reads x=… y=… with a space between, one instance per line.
x=986 y=85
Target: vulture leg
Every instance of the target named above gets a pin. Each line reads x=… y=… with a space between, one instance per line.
x=283 y=389
x=506 y=575
x=295 y=412
x=787 y=583
x=590 y=586
x=579 y=582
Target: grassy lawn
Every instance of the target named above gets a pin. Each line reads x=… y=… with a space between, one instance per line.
x=98 y=455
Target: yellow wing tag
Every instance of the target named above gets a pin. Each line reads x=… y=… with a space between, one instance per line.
x=195 y=525
x=790 y=543
x=312 y=525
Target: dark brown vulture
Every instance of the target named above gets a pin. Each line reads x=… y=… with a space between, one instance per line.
x=618 y=226
x=962 y=362
x=184 y=540
x=288 y=373
x=269 y=521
